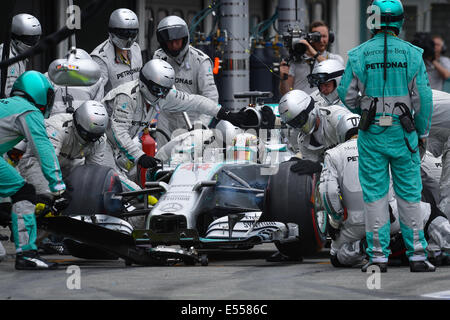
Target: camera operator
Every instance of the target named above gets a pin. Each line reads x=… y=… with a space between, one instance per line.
x=295 y=75
x=439 y=68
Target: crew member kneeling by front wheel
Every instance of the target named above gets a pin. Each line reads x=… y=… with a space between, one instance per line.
x=22 y=117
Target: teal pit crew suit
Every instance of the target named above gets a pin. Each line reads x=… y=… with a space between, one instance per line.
x=385 y=147
x=21 y=119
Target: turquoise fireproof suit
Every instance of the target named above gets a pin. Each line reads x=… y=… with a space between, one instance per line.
x=384 y=147
x=19 y=119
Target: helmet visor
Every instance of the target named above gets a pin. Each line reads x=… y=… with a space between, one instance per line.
x=47 y=109
x=302 y=118
x=316 y=79
x=28 y=40
x=86 y=135
x=154 y=88
x=124 y=33
x=172 y=33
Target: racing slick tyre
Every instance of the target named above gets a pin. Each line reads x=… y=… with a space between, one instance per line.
x=88 y=189
x=289 y=198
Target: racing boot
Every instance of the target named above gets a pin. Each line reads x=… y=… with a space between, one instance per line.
x=335 y=261
x=30 y=260
x=439 y=260
x=381 y=265
x=421 y=266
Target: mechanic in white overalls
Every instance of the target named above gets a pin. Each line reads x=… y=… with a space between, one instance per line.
x=119 y=56
x=77 y=138
x=133 y=106
x=438 y=143
x=193 y=70
x=317 y=125
x=341 y=196
x=25 y=33
x=326 y=77
x=317 y=132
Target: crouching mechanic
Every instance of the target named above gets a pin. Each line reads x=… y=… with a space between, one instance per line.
x=77 y=138
x=438 y=143
x=22 y=117
x=316 y=127
x=342 y=196
x=134 y=105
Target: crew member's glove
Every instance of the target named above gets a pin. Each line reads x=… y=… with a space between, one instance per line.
x=305 y=166
x=61 y=201
x=268 y=118
x=236 y=118
x=146 y=161
x=333 y=228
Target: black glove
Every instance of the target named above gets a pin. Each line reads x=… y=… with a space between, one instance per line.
x=305 y=166
x=236 y=118
x=332 y=232
x=268 y=118
x=61 y=202
x=146 y=161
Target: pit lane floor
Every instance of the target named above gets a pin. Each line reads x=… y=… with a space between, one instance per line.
x=231 y=275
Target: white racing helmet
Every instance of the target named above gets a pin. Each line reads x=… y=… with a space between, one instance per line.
x=156 y=78
x=172 y=28
x=25 y=32
x=91 y=120
x=347 y=127
x=298 y=111
x=123 y=28
x=325 y=71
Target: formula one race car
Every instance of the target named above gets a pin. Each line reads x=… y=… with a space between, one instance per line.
x=222 y=188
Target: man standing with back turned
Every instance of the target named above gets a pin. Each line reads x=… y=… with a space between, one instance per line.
x=395 y=104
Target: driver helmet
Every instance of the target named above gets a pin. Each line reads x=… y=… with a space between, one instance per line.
x=347 y=127
x=25 y=32
x=392 y=15
x=297 y=110
x=90 y=120
x=123 y=28
x=156 y=78
x=172 y=28
x=325 y=71
x=37 y=89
